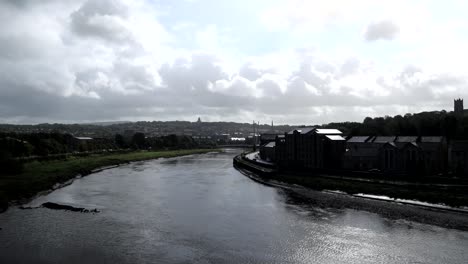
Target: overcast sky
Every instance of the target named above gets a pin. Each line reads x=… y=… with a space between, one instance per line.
x=291 y=61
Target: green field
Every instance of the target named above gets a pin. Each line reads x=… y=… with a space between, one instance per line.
x=40 y=176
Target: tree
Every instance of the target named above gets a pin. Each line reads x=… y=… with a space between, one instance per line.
x=119 y=141
x=139 y=141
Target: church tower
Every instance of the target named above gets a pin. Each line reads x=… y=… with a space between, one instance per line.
x=458 y=107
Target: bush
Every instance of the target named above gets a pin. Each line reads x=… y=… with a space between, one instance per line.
x=10 y=167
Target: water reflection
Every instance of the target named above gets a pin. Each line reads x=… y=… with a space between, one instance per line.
x=200 y=209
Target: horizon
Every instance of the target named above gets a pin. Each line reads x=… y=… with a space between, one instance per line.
x=102 y=122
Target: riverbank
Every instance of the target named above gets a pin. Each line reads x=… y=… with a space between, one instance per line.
x=451 y=195
x=42 y=176
x=396 y=210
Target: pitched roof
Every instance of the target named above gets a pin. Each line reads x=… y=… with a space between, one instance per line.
x=83 y=138
x=432 y=139
x=268 y=136
x=384 y=139
x=328 y=131
x=335 y=137
x=302 y=130
x=358 y=139
x=406 y=139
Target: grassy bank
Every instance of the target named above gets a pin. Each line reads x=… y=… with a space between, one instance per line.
x=453 y=196
x=40 y=176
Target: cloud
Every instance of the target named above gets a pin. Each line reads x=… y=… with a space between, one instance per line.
x=383 y=30
x=102 y=19
x=74 y=61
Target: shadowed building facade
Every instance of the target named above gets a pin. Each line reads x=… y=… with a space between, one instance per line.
x=310 y=148
x=410 y=155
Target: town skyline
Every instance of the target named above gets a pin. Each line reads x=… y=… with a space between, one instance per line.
x=457 y=106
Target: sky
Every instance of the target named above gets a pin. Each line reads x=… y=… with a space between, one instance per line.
x=287 y=61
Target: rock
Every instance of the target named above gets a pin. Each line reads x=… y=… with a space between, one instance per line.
x=55 y=206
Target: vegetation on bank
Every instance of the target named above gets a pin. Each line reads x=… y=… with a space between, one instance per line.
x=40 y=176
x=454 y=193
x=452 y=196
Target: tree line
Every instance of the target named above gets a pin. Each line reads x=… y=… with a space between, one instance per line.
x=15 y=148
x=422 y=124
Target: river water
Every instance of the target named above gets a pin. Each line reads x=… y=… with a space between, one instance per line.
x=199 y=209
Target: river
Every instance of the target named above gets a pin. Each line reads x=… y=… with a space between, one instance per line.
x=199 y=209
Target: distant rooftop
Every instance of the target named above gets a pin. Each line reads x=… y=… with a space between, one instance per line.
x=266 y=136
x=303 y=130
x=335 y=137
x=358 y=139
x=270 y=145
x=328 y=131
x=84 y=138
x=384 y=139
x=431 y=139
x=406 y=139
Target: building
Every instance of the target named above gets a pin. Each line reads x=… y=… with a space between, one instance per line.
x=435 y=153
x=361 y=154
x=458 y=108
x=411 y=155
x=280 y=150
x=311 y=148
x=458 y=157
x=267 y=137
x=267 y=151
x=334 y=147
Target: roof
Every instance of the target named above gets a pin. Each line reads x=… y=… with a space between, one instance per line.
x=303 y=130
x=268 y=136
x=84 y=138
x=335 y=137
x=384 y=139
x=406 y=139
x=328 y=131
x=270 y=145
x=359 y=139
x=432 y=139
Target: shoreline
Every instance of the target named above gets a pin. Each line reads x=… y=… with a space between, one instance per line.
x=394 y=210
x=452 y=197
x=53 y=175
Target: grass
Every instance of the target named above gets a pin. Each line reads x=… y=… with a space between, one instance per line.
x=453 y=196
x=40 y=176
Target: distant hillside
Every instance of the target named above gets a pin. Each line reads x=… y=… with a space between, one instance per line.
x=436 y=123
x=149 y=128
x=108 y=123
